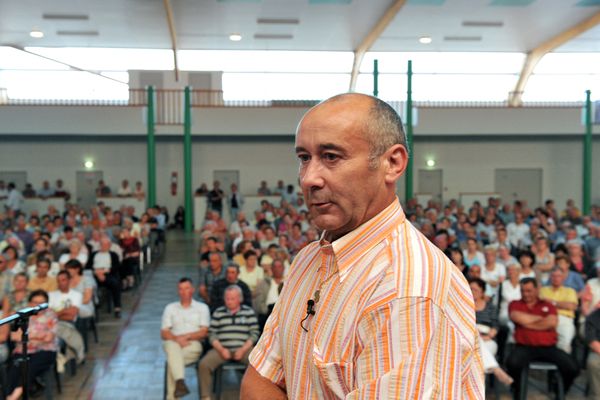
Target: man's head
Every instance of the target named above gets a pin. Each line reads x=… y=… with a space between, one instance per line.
x=232 y=273
x=529 y=290
x=250 y=258
x=489 y=252
x=563 y=263
x=233 y=297
x=277 y=269
x=185 y=289
x=215 y=261
x=42 y=266
x=105 y=244
x=557 y=277
x=62 y=280
x=475 y=271
x=349 y=138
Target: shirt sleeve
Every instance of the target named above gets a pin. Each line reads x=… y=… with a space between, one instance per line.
x=166 y=319
x=266 y=356
x=411 y=349
x=204 y=316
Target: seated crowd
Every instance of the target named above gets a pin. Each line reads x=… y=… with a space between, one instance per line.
x=532 y=273
x=72 y=261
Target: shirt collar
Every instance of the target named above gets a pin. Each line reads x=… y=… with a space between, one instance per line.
x=350 y=247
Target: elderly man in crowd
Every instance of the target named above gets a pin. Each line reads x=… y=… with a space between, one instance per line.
x=209 y=275
x=184 y=325
x=106 y=264
x=233 y=332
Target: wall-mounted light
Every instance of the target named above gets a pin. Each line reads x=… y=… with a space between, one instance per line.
x=431 y=162
x=36 y=33
x=425 y=39
x=235 y=37
x=89 y=164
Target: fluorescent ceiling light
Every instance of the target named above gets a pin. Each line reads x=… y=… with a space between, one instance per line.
x=425 y=39
x=235 y=37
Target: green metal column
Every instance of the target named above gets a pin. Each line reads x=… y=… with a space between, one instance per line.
x=151 y=149
x=187 y=160
x=375 y=78
x=587 y=155
x=409 y=135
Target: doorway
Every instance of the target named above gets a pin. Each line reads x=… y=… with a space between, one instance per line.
x=87 y=182
x=519 y=184
x=431 y=182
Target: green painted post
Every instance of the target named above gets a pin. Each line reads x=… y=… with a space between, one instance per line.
x=409 y=135
x=187 y=160
x=375 y=78
x=151 y=149
x=587 y=156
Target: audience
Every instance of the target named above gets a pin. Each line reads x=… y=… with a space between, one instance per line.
x=500 y=243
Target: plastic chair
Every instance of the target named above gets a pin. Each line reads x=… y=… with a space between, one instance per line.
x=551 y=369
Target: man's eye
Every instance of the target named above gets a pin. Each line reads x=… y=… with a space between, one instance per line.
x=330 y=156
x=303 y=157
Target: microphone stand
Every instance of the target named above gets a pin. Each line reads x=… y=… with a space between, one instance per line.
x=20 y=319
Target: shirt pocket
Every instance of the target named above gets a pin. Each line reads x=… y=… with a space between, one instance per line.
x=338 y=376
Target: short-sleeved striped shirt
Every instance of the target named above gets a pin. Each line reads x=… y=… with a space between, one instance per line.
x=233 y=330
x=395 y=320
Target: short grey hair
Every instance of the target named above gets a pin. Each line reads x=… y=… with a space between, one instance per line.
x=383 y=129
x=235 y=288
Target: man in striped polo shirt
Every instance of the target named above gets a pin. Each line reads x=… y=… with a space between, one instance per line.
x=372 y=310
x=232 y=334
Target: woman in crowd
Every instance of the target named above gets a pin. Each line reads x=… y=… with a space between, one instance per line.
x=456 y=255
x=544 y=259
x=84 y=284
x=13 y=263
x=42 y=345
x=18 y=297
x=131 y=258
x=527 y=260
x=579 y=260
x=472 y=255
x=487 y=324
x=75 y=253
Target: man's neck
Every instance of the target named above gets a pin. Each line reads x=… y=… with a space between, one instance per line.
x=186 y=303
x=234 y=311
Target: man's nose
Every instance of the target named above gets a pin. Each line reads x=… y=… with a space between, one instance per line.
x=311 y=176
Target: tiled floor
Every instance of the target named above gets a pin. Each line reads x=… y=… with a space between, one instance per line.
x=128 y=363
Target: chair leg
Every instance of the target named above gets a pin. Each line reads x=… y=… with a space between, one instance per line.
x=560 y=388
x=524 y=383
x=165 y=381
x=94 y=329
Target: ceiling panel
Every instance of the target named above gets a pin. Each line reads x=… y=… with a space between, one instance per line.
x=333 y=25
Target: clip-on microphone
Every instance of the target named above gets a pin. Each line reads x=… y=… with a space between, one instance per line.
x=310 y=310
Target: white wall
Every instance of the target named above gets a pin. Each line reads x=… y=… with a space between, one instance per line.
x=468 y=166
x=267 y=153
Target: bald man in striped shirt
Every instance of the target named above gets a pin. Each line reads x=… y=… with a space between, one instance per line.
x=372 y=310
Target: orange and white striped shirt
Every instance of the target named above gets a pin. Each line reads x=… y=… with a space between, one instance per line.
x=395 y=320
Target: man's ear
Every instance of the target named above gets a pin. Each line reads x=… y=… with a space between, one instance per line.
x=395 y=161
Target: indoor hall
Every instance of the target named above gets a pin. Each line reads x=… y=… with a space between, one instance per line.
x=154 y=140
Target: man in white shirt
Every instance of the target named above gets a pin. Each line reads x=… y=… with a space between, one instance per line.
x=184 y=324
x=124 y=190
x=517 y=231
x=65 y=302
x=14 y=203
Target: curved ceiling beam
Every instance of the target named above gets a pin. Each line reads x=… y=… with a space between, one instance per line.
x=368 y=41
x=173 y=33
x=535 y=55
